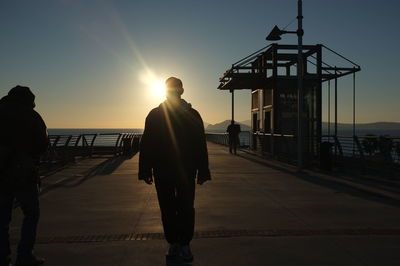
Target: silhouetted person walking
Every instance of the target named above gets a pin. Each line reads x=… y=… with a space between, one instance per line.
x=173 y=149
x=233 y=131
x=23 y=138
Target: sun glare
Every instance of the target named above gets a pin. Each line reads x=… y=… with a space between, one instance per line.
x=158 y=90
x=154 y=86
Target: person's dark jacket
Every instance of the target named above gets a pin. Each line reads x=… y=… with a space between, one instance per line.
x=174 y=142
x=23 y=132
x=233 y=130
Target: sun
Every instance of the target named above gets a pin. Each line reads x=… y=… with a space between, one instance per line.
x=158 y=89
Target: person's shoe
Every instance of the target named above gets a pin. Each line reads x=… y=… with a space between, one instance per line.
x=173 y=251
x=186 y=253
x=29 y=261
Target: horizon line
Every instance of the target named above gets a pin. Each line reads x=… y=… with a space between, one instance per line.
x=349 y=123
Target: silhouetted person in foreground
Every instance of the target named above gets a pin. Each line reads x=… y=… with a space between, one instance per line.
x=23 y=138
x=173 y=149
x=233 y=131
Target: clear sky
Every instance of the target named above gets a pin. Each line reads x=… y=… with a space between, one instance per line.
x=92 y=64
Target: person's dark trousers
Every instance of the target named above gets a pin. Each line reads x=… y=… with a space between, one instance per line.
x=232 y=145
x=28 y=199
x=176 y=199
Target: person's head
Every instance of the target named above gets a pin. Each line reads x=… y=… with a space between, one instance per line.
x=174 y=88
x=22 y=95
x=232 y=122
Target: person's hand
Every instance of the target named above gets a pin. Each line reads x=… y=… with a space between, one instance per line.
x=201 y=180
x=148 y=180
x=203 y=175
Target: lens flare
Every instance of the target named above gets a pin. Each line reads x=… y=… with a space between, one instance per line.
x=158 y=89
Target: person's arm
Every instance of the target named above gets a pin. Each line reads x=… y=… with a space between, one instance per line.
x=203 y=173
x=40 y=136
x=145 y=155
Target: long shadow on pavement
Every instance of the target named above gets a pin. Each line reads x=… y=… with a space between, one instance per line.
x=105 y=168
x=327 y=183
x=111 y=165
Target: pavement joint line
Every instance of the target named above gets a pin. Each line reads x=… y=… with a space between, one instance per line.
x=145 y=236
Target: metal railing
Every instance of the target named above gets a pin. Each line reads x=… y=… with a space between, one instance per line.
x=219 y=138
x=281 y=146
x=65 y=148
x=223 y=138
x=369 y=148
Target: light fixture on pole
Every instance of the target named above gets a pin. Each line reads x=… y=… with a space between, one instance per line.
x=275 y=35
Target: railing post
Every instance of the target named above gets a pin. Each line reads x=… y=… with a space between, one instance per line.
x=77 y=140
x=91 y=144
x=117 y=143
x=338 y=145
x=358 y=145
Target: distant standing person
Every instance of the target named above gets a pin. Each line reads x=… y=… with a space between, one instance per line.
x=233 y=131
x=173 y=149
x=23 y=138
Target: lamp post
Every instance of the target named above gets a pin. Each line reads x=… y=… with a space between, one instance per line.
x=275 y=35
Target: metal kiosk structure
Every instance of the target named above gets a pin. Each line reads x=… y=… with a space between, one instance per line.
x=271 y=75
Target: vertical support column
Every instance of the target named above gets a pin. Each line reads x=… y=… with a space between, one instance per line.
x=354 y=108
x=329 y=110
x=336 y=116
x=300 y=86
x=275 y=112
x=233 y=104
x=319 y=100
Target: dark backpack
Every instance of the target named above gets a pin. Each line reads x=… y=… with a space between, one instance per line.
x=17 y=168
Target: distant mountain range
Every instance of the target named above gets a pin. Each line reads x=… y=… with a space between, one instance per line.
x=376 y=128
x=366 y=126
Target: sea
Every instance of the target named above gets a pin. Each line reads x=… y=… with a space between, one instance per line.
x=341 y=132
x=80 y=131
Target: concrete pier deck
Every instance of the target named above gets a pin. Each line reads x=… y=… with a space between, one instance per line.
x=249 y=214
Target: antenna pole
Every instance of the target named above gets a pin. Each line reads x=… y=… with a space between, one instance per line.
x=300 y=94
